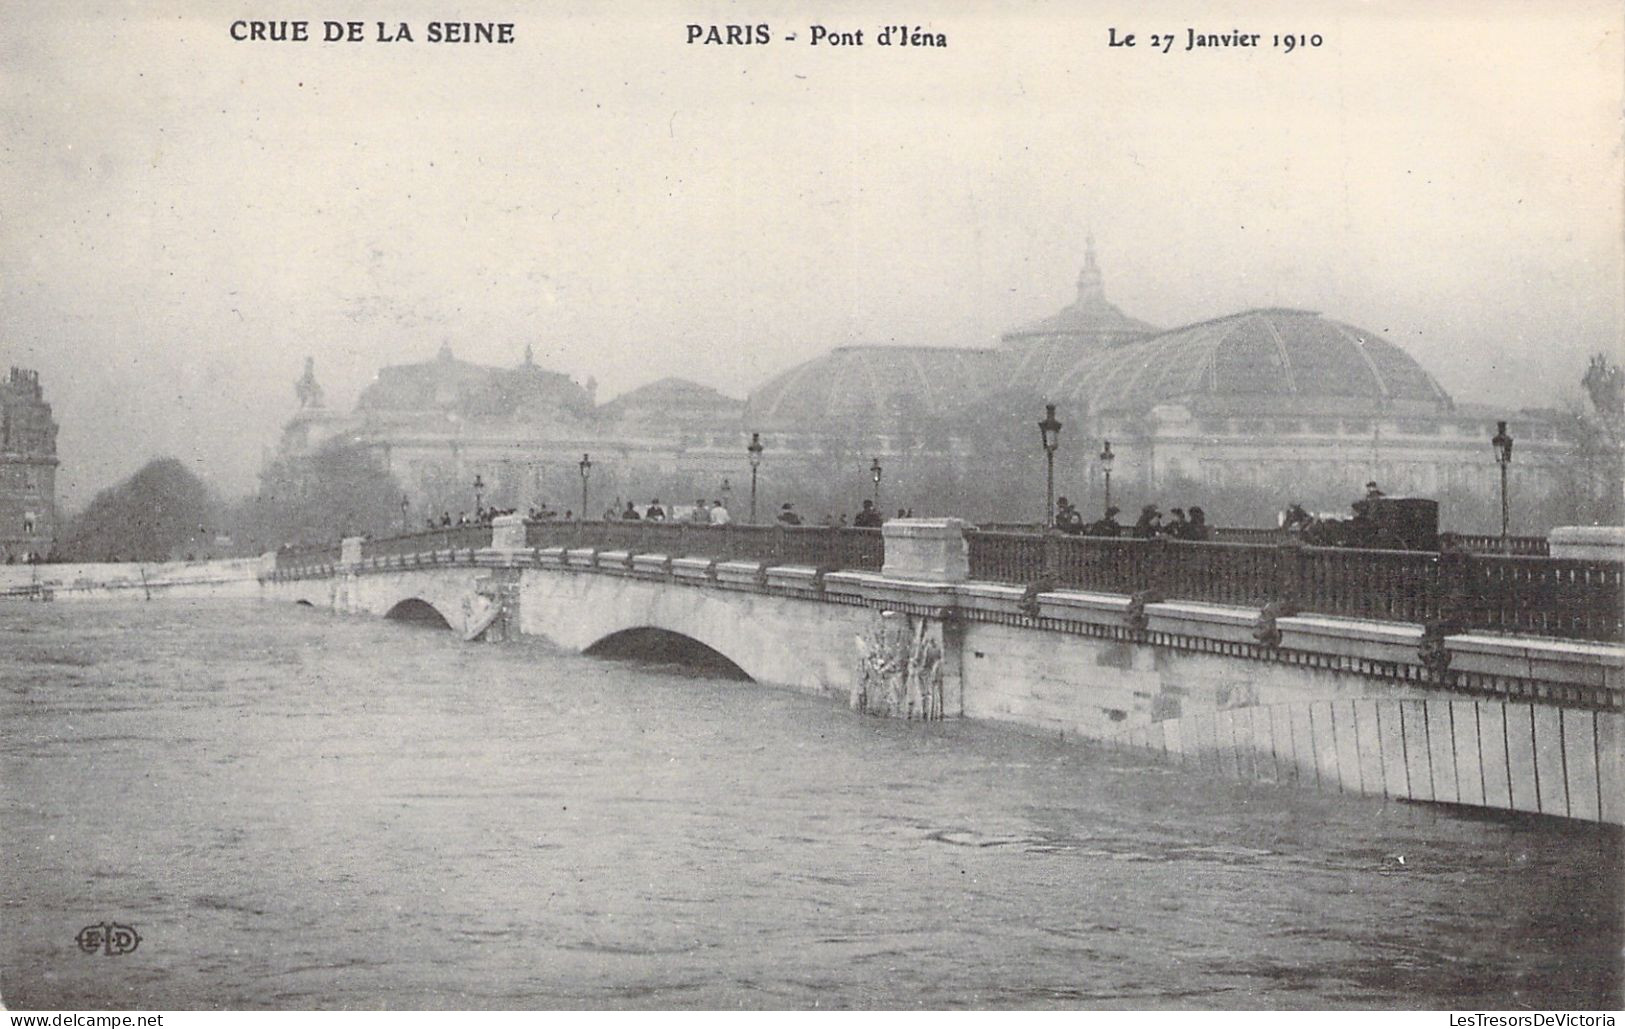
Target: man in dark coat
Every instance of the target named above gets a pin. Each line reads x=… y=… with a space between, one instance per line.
x=1198 y=529
x=868 y=518
x=1067 y=518
x=1149 y=523
x=1107 y=526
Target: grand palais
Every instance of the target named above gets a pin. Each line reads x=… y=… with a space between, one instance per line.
x=1276 y=398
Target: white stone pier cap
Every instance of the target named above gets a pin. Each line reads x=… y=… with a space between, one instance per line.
x=350 y=550
x=508 y=532
x=927 y=549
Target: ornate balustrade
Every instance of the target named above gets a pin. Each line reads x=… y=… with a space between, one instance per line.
x=1492 y=591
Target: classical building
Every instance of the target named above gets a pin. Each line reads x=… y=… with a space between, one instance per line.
x=1280 y=399
x=27 y=469
x=523 y=431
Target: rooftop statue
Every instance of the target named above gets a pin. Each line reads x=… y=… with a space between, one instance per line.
x=307 y=389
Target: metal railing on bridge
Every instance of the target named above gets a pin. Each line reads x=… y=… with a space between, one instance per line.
x=1458 y=588
x=1477 y=543
x=816 y=546
x=447 y=539
x=1503 y=592
x=307 y=559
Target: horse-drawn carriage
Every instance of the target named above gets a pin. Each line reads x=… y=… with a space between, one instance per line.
x=1381 y=523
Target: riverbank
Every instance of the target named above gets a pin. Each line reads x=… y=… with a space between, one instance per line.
x=231 y=577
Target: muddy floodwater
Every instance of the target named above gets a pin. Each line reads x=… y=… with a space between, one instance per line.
x=294 y=809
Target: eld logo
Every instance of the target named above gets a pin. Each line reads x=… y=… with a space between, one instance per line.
x=110 y=938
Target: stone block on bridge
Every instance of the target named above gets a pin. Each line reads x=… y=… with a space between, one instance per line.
x=508 y=532
x=350 y=551
x=930 y=549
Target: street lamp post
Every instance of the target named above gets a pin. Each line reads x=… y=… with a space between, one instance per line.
x=479 y=494
x=755 y=451
x=874 y=473
x=1503 y=457
x=585 y=465
x=1106 y=459
x=726 y=490
x=1050 y=433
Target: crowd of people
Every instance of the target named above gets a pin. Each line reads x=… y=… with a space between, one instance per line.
x=700 y=513
x=482 y=516
x=1180 y=526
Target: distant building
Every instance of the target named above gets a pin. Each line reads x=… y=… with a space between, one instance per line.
x=436 y=425
x=1279 y=399
x=27 y=469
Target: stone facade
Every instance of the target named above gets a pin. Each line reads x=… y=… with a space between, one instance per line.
x=28 y=522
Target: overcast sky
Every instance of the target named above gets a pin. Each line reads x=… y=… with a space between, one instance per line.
x=185 y=218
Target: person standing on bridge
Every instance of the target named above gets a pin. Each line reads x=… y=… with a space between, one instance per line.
x=1106 y=527
x=719 y=514
x=1068 y=518
x=868 y=518
x=701 y=515
x=656 y=513
x=788 y=516
x=1198 y=530
x=631 y=513
x=1149 y=523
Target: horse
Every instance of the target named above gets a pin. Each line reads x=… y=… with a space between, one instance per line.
x=1316 y=529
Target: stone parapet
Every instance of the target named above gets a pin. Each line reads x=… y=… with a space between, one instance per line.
x=694 y=568
x=1557 y=662
x=350 y=551
x=932 y=549
x=739 y=573
x=654 y=566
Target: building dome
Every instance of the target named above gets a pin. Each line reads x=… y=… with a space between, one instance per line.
x=1039 y=353
x=1285 y=359
x=678 y=404
x=475 y=391
x=672 y=394
x=871 y=388
x=1089 y=320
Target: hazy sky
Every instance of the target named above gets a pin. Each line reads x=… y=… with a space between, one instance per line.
x=185 y=217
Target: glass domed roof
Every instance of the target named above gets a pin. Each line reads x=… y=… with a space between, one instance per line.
x=869 y=388
x=1274 y=356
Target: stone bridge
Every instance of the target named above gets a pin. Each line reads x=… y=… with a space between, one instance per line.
x=1384 y=708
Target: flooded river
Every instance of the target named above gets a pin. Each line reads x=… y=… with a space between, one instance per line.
x=299 y=810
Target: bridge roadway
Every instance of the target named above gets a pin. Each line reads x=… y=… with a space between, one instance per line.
x=1386 y=708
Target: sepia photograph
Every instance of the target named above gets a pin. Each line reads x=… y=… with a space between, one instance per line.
x=996 y=505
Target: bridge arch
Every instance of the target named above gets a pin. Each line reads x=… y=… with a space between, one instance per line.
x=419 y=612
x=654 y=644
